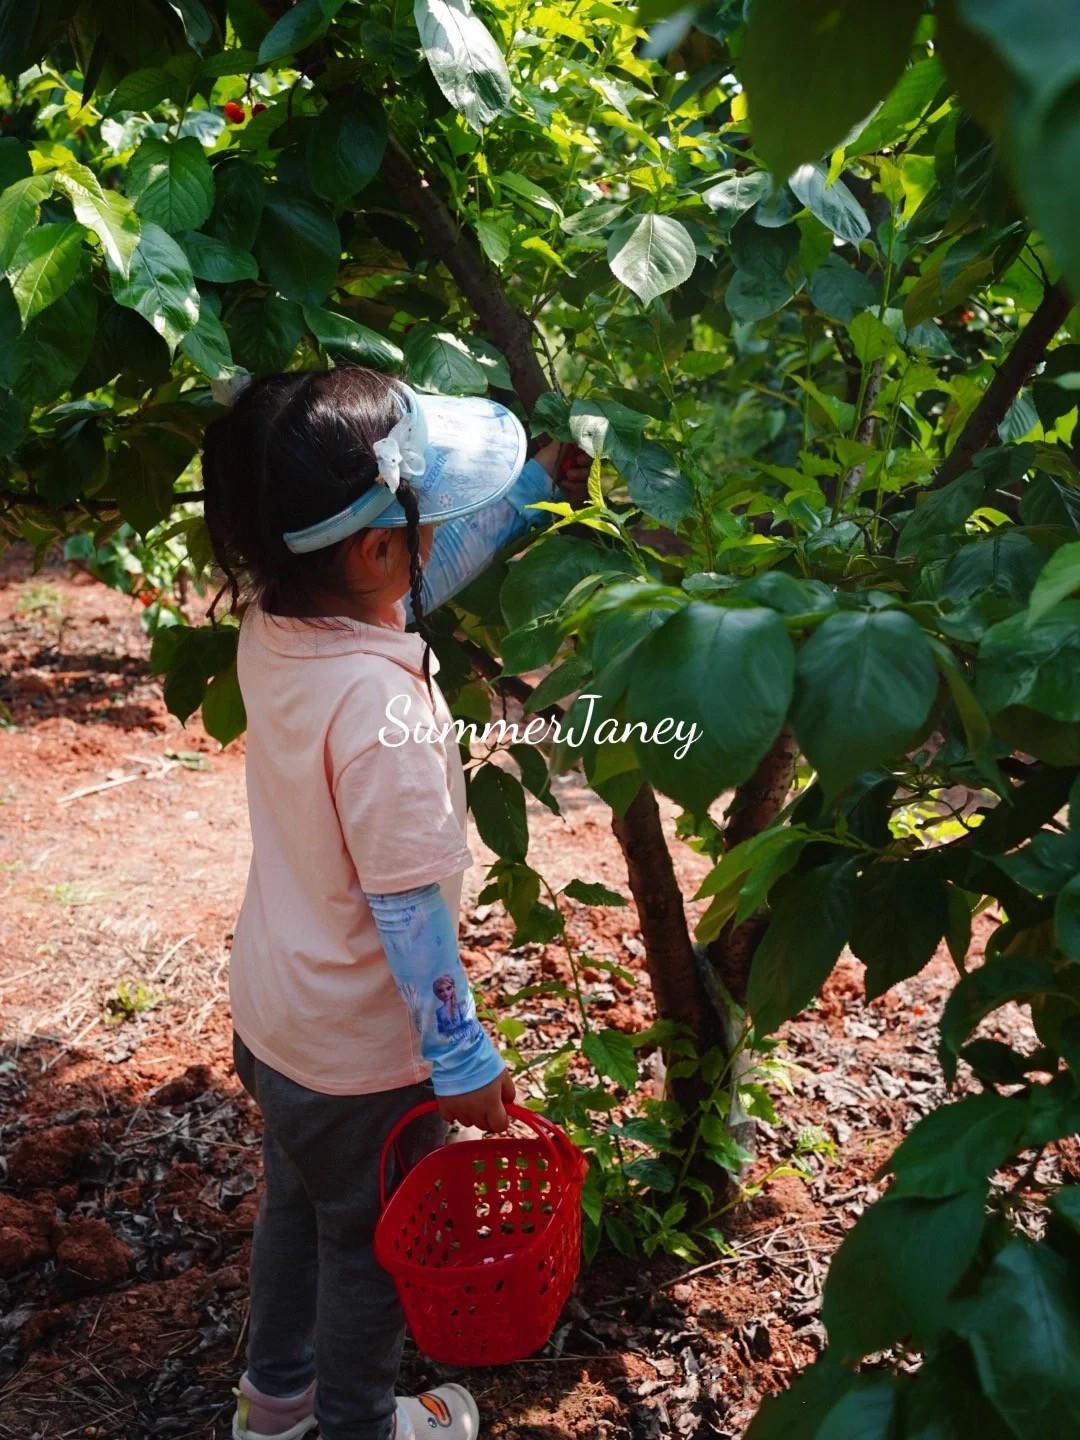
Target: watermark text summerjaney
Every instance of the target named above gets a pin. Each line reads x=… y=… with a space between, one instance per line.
x=608 y=732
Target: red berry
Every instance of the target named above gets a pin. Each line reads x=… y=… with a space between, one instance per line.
x=234 y=113
x=258 y=109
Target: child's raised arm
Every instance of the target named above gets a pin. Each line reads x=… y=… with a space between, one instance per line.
x=463 y=549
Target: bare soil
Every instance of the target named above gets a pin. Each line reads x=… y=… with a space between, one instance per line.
x=129 y=1160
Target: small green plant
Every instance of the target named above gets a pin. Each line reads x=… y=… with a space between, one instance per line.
x=129 y=1000
x=41 y=602
x=643 y=1193
x=74 y=892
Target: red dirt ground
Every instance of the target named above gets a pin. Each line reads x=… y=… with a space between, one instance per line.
x=130 y=1153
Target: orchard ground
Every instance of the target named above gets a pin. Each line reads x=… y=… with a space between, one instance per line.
x=130 y=1154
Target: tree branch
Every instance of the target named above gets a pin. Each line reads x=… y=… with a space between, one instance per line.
x=510 y=685
x=1026 y=353
x=755 y=807
x=480 y=283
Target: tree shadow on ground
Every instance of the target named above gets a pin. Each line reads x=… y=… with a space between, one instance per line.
x=125 y=1223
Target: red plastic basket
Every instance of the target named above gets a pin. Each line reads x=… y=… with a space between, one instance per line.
x=483 y=1240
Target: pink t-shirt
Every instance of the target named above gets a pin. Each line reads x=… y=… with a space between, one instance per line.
x=335 y=812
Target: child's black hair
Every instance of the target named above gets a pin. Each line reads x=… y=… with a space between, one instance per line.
x=294 y=449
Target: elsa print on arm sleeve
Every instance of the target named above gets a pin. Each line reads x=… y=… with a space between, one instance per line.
x=419 y=938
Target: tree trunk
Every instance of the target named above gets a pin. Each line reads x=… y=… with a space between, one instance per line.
x=668 y=949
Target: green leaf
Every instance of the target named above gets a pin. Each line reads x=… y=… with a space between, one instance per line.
x=591 y=893
x=952 y=1145
x=298 y=246
x=942 y=512
x=298 y=27
x=1037 y=665
x=908 y=99
x=538 y=582
x=1067 y=918
x=74 y=462
x=438 y=361
x=494 y=240
x=188 y=657
x=497 y=804
x=727 y=672
x=108 y=213
x=12 y=421
x=264 y=333
x=55 y=345
x=1058 y=580
x=345 y=147
x=814 y=68
x=171 y=183
x=342 y=336
x=834 y=205
x=529 y=191
x=240 y=191
x=1044 y=135
x=223 y=713
x=870 y=339
x=865 y=683
x=740 y=883
x=216 y=260
x=142 y=473
x=1045 y=865
x=14 y=162
x=764 y=251
x=1023 y=1326
x=651 y=254
x=612 y=1054
x=19 y=204
x=207 y=346
x=535 y=775
x=838 y=1405
x=734 y=196
x=142 y=90
x=159 y=285
x=793 y=959
x=467 y=64
x=901 y=915
x=750 y=297
x=606 y=427
x=839 y=290
x=45 y=265
x=895 y=1270
x=656 y=484
x=652 y=1174
x=981 y=991
x=1007 y=562
x=17 y=22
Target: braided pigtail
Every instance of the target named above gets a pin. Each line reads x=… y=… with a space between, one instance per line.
x=409 y=503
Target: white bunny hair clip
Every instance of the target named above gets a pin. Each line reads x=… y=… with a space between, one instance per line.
x=401 y=450
x=226 y=392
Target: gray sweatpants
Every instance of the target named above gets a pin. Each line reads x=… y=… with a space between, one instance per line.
x=321 y=1305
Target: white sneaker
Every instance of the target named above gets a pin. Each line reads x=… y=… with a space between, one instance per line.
x=266 y=1417
x=448 y=1412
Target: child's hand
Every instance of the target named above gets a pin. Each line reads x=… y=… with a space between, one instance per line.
x=568 y=466
x=484 y=1108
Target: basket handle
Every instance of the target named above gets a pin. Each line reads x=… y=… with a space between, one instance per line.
x=539 y=1123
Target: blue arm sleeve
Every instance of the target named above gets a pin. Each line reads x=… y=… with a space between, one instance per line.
x=420 y=940
x=463 y=548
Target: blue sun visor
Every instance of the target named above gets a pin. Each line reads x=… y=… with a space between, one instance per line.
x=459 y=453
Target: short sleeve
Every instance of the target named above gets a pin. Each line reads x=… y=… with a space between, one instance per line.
x=397 y=815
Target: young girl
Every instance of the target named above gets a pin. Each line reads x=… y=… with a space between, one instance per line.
x=323 y=493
